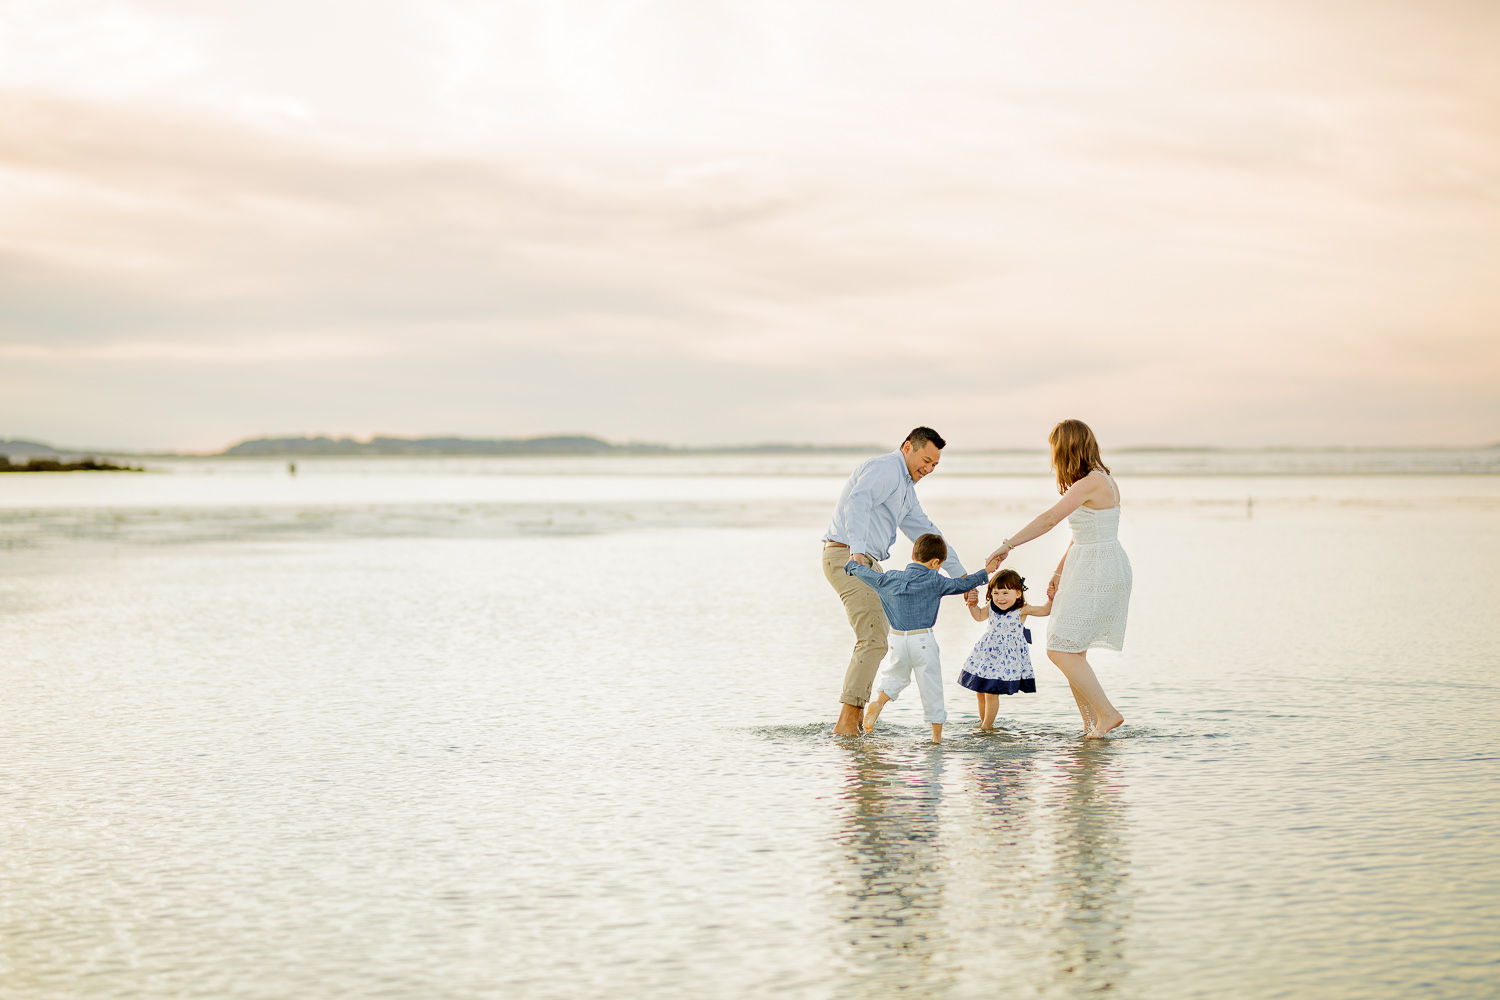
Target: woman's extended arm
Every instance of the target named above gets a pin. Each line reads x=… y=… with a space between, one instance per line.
x=1055 y=515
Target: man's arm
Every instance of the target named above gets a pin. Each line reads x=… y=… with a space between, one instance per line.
x=916 y=524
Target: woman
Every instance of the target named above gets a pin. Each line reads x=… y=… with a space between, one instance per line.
x=1091 y=588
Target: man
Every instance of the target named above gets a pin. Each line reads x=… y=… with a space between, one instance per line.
x=879 y=498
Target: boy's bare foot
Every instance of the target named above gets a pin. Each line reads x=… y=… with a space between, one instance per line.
x=937 y=732
x=872 y=710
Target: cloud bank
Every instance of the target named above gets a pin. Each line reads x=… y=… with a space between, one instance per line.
x=722 y=222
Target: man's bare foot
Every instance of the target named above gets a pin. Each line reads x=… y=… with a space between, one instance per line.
x=849 y=720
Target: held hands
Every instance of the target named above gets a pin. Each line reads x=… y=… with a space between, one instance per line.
x=998 y=556
x=1052 y=587
x=860 y=558
x=972 y=598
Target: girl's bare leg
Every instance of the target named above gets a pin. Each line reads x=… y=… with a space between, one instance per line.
x=872 y=711
x=991 y=709
x=980 y=695
x=1075 y=667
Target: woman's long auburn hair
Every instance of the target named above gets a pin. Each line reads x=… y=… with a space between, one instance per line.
x=1075 y=452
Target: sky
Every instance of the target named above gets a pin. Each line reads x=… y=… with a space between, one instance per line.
x=707 y=222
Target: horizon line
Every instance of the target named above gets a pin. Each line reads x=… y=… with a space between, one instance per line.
x=652 y=447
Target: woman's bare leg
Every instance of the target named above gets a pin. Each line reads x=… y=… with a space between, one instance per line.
x=1084 y=711
x=1075 y=667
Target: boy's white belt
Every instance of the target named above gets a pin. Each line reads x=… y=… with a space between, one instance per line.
x=915 y=631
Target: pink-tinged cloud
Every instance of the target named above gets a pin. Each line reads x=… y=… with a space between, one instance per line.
x=721 y=221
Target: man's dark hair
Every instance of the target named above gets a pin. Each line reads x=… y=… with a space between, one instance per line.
x=928 y=548
x=922 y=435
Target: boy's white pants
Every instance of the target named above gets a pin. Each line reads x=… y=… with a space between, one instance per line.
x=914 y=654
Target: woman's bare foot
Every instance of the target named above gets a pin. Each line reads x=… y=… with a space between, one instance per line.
x=1100 y=728
x=1090 y=720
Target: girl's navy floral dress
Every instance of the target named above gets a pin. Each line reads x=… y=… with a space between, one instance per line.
x=1000 y=662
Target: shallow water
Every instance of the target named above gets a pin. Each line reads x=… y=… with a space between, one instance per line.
x=425 y=732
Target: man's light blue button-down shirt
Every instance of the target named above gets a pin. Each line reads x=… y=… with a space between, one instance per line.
x=879 y=498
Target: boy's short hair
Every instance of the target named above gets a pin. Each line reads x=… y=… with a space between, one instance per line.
x=928 y=548
x=924 y=435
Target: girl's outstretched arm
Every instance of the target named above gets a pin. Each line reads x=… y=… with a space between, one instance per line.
x=975 y=611
x=1037 y=610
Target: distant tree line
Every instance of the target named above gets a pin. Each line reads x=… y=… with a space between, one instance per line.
x=59 y=465
x=563 y=445
x=554 y=445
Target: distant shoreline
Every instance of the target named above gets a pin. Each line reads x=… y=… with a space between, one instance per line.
x=554 y=445
x=57 y=465
x=584 y=446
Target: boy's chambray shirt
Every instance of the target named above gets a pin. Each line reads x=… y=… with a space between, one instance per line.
x=880 y=497
x=911 y=596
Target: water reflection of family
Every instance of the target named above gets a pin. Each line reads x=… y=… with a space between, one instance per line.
x=939 y=856
x=892 y=613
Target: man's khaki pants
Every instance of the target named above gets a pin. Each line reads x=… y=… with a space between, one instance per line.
x=866 y=617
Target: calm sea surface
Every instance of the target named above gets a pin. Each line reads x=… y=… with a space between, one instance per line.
x=562 y=728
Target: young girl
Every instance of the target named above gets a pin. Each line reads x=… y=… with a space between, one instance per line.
x=1000 y=663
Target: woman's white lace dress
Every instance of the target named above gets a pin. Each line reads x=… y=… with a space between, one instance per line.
x=1094 y=592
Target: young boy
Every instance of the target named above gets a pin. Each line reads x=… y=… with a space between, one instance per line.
x=910 y=597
